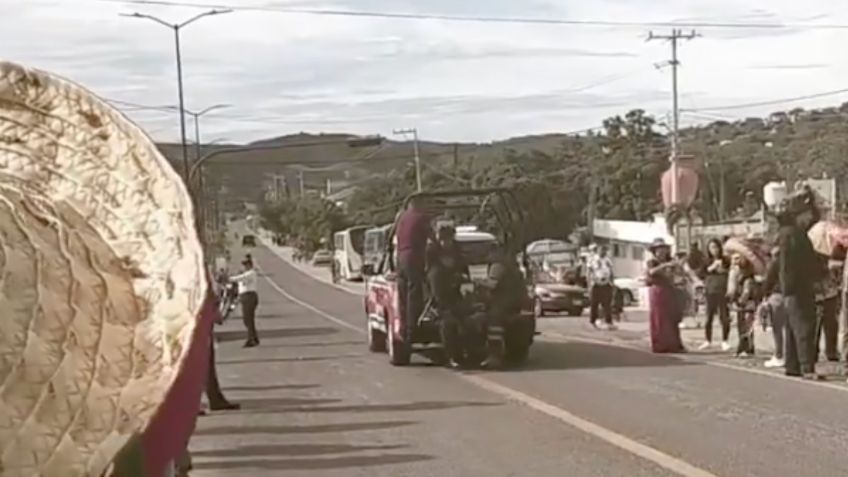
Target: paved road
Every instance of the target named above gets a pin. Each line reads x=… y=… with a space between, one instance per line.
x=317 y=403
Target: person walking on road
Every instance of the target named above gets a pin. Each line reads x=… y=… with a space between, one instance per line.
x=799 y=270
x=247 y=281
x=413 y=232
x=714 y=272
x=664 y=305
x=600 y=279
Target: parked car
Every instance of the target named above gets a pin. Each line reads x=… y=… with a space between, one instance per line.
x=556 y=297
x=322 y=258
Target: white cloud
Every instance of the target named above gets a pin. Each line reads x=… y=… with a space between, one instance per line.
x=453 y=80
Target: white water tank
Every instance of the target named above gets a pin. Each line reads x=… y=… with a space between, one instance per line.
x=773 y=193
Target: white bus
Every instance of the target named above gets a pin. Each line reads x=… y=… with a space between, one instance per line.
x=348 y=247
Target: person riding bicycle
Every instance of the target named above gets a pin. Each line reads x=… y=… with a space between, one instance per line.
x=446 y=270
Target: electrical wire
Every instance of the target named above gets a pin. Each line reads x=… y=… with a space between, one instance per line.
x=488 y=19
x=767 y=103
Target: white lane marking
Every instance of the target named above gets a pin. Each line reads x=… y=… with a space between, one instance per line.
x=648 y=453
x=311 y=308
x=638 y=449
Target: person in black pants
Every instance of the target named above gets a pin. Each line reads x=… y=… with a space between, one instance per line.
x=715 y=271
x=413 y=232
x=601 y=288
x=827 y=311
x=446 y=270
x=799 y=271
x=249 y=300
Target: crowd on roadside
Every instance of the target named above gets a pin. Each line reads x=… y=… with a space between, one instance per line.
x=789 y=286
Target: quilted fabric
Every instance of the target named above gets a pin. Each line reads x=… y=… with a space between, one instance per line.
x=101 y=277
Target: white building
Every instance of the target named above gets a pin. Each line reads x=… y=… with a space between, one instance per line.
x=628 y=242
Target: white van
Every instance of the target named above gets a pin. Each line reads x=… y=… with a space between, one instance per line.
x=348 y=247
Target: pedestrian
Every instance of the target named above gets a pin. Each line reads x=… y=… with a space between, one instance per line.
x=798 y=272
x=664 y=305
x=247 y=281
x=413 y=232
x=600 y=279
x=714 y=271
x=827 y=310
x=774 y=311
x=747 y=301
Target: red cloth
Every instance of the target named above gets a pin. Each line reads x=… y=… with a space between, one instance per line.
x=666 y=315
x=166 y=436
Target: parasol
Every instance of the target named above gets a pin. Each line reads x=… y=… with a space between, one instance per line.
x=101 y=284
x=826 y=236
x=751 y=250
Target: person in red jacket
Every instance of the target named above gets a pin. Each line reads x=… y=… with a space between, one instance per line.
x=413 y=232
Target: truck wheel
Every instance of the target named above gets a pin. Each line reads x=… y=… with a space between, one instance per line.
x=400 y=353
x=575 y=312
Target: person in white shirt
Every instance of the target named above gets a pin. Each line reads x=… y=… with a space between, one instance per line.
x=246 y=281
x=600 y=278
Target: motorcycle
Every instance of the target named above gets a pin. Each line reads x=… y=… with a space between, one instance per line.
x=227 y=301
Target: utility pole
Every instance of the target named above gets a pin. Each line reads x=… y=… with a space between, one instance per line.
x=414 y=132
x=300 y=183
x=675 y=37
x=455 y=157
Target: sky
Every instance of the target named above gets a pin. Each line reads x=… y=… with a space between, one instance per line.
x=283 y=73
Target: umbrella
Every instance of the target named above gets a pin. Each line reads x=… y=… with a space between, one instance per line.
x=104 y=283
x=750 y=250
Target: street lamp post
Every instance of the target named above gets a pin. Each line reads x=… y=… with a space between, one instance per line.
x=414 y=132
x=176 y=27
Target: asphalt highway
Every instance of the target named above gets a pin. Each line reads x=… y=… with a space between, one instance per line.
x=316 y=402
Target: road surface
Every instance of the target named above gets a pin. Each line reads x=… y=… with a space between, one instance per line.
x=316 y=402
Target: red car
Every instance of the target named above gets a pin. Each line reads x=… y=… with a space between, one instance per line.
x=386 y=328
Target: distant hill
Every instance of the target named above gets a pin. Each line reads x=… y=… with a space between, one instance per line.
x=743 y=154
x=244 y=171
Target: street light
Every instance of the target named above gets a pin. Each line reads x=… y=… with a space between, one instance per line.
x=176 y=27
x=414 y=132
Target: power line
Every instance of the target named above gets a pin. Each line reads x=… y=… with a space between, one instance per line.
x=489 y=19
x=768 y=103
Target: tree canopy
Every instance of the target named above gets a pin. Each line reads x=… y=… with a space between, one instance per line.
x=618 y=168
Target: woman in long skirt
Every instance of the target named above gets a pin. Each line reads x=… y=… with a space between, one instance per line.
x=666 y=311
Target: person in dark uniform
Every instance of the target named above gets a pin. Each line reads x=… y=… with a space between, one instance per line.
x=799 y=271
x=507 y=295
x=446 y=269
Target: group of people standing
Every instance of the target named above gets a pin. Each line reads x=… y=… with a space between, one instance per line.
x=793 y=291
